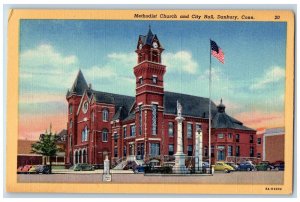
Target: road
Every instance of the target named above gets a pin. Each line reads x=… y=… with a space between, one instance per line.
x=256 y=177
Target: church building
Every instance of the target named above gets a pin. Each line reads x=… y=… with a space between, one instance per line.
x=142 y=127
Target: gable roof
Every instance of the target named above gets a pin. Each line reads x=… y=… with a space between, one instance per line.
x=79 y=85
x=122 y=103
x=191 y=105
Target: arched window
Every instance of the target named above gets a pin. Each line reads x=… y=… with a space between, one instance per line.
x=70 y=109
x=104 y=135
x=105 y=115
x=71 y=123
x=84 y=134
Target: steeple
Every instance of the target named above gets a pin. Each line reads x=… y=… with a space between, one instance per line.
x=149 y=48
x=79 y=85
x=221 y=107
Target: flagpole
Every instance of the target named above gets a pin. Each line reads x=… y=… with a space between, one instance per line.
x=209 y=109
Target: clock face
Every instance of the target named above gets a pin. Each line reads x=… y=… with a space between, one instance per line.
x=85 y=107
x=155 y=45
x=140 y=46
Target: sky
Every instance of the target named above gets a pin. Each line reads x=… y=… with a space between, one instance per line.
x=251 y=82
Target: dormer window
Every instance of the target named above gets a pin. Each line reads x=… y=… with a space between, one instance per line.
x=154 y=79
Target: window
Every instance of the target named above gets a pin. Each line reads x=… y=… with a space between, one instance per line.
x=258 y=140
x=229 y=135
x=189 y=130
x=115 y=138
x=85 y=107
x=190 y=150
x=171 y=129
x=154 y=79
x=105 y=115
x=251 y=151
x=115 y=152
x=140 y=120
x=154 y=119
x=70 y=109
x=132 y=130
x=141 y=80
x=154 y=149
x=237 y=137
x=171 y=149
x=124 y=131
x=258 y=155
x=71 y=123
x=220 y=136
x=84 y=134
x=237 y=151
x=104 y=135
x=198 y=126
x=251 y=138
x=229 y=151
x=124 y=151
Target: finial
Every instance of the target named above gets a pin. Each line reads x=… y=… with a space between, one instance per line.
x=50 y=127
x=149 y=27
x=221 y=101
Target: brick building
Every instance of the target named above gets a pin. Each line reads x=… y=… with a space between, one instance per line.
x=270 y=144
x=143 y=127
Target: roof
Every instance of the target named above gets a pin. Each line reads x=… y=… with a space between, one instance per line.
x=79 y=85
x=24 y=146
x=191 y=105
x=62 y=135
x=122 y=103
x=274 y=131
x=148 y=39
x=222 y=120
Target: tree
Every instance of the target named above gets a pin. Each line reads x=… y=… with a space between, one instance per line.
x=46 y=146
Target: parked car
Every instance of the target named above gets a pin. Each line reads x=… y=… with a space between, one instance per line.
x=82 y=167
x=263 y=166
x=246 y=166
x=19 y=170
x=43 y=169
x=222 y=166
x=278 y=165
x=139 y=169
x=233 y=165
x=26 y=168
x=32 y=170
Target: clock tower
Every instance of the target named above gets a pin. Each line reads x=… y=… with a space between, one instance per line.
x=149 y=73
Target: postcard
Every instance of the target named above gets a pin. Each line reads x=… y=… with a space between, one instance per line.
x=150 y=101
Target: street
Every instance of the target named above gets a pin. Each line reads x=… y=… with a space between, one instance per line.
x=256 y=177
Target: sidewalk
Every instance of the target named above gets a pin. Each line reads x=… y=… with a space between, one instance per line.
x=68 y=171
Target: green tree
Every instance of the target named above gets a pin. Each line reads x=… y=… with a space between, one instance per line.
x=46 y=146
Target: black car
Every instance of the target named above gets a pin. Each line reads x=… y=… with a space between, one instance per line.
x=43 y=169
x=246 y=166
x=278 y=165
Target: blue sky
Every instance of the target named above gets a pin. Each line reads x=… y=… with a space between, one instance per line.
x=251 y=82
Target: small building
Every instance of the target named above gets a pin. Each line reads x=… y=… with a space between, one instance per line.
x=270 y=144
x=25 y=157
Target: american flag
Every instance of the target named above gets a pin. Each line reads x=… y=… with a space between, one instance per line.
x=216 y=51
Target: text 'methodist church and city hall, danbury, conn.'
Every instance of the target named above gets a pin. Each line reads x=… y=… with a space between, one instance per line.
x=143 y=127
